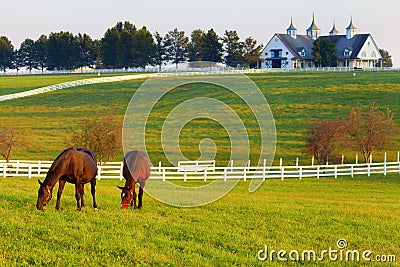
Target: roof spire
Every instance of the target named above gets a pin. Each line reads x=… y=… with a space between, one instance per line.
x=351 y=30
x=334 y=31
x=313 y=31
x=292 y=31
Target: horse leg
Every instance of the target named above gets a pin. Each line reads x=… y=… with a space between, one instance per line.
x=78 y=191
x=82 y=195
x=61 y=184
x=133 y=203
x=140 y=197
x=93 y=191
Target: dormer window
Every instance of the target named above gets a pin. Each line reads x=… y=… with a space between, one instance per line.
x=347 y=52
x=301 y=52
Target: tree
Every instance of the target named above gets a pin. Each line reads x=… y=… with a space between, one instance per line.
x=323 y=140
x=41 y=52
x=325 y=53
x=10 y=139
x=371 y=130
x=386 y=59
x=6 y=53
x=211 y=48
x=63 y=51
x=160 y=55
x=102 y=135
x=26 y=53
x=251 y=53
x=177 y=49
x=108 y=48
x=195 y=45
x=143 y=52
x=233 y=48
x=87 y=51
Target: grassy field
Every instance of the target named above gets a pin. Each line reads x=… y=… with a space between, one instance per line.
x=300 y=215
x=308 y=214
x=295 y=99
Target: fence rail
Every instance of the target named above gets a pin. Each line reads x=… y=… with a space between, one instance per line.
x=113 y=170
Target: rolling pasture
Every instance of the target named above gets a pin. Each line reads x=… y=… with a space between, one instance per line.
x=311 y=214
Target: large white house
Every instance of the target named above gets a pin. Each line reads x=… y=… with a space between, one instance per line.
x=292 y=50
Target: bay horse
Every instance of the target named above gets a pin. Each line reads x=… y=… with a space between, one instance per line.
x=136 y=170
x=74 y=165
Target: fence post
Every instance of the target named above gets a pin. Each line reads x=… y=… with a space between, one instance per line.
x=264 y=166
x=121 y=171
x=352 y=171
x=369 y=169
x=205 y=174
x=18 y=167
x=342 y=159
x=29 y=171
x=184 y=175
x=398 y=156
x=312 y=161
x=98 y=172
x=297 y=161
x=282 y=173
x=163 y=174
x=4 y=170
x=384 y=165
x=301 y=172
x=280 y=163
x=224 y=174
x=335 y=171
x=356 y=159
x=39 y=167
x=318 y=168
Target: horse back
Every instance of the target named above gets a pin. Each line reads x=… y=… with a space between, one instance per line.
x=74 y=166
x=136 y=168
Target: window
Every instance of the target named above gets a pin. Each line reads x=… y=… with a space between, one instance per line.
x=364 y=54
x=287 y=53
x=302 y=52
x=373 y=54
x=347 y=52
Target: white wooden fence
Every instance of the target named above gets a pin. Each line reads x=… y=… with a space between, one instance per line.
x=113 y=170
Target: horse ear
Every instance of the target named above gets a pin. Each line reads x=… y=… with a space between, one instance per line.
x=120 y=187
x=40 y=182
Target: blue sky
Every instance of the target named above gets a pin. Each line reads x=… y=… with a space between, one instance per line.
x=257 y=18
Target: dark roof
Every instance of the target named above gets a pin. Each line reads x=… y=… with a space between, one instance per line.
x=355 y=43
x=296 y=45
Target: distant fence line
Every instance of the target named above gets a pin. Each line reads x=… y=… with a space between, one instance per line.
x=113 y=170
x=171 y=70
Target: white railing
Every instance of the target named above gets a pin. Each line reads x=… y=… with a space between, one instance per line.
x=113 y=170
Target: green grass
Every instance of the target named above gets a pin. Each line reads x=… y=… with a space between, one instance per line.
x=295 y=99
x=290 y=215
x=15 y=84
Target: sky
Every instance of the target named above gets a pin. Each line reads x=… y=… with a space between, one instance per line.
x=257 y=18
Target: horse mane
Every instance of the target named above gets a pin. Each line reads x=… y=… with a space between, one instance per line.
x=58 y=166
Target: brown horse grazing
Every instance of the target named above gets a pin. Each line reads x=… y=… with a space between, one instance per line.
x=76 y=166
x=136 y=170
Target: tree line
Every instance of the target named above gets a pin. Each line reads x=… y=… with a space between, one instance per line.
x=126 y=46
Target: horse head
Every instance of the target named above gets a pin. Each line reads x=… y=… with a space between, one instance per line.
x=127 y=196
x=44 y=195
